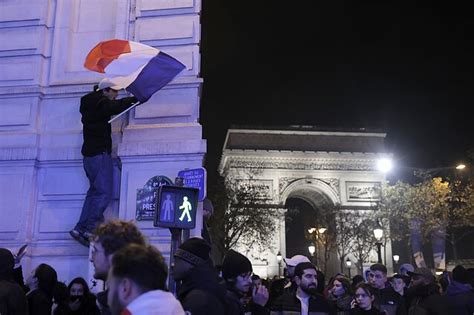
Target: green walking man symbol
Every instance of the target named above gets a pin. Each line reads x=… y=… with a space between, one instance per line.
x=187 y=207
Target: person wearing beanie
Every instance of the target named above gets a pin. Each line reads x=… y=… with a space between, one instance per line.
x=241 y=297
x=12 y=296
x=460 y=294
x=423 y=296
x=200 y=291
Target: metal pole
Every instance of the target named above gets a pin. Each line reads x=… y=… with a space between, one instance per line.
x=379 y=252
x=175 y=242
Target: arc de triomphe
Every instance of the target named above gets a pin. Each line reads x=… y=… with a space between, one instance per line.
x=300 y=162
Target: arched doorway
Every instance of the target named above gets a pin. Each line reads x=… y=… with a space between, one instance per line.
x=309 y=220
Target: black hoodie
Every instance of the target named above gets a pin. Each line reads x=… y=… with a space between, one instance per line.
x=201 y=292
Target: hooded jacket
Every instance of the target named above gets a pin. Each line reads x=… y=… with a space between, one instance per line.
x=156 y=302
x=201 y=293
x=461 y=298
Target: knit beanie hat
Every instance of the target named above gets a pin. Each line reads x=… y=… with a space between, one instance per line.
x=195 y=251
x=235 y=264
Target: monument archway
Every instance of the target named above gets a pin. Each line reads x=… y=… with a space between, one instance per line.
x=319 y=168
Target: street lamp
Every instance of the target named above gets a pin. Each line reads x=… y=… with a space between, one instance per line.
x=396 y=259
x=279 y=258
x=378 y=233
x=311 y=249
x=460 y=167
x=348 y=265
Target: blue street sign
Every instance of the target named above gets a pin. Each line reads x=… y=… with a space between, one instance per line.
x=195 y=178
x=176 y=207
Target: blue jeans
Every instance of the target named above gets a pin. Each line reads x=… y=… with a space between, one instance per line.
x=98 y=169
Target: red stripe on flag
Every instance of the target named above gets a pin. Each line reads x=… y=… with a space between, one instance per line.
x=104 y=53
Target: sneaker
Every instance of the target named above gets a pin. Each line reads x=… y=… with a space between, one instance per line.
x=78 y=236
x=88 y=235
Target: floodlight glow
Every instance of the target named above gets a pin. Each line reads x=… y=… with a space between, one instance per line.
x=460 y=167
x=311 y=249
x=384 y=165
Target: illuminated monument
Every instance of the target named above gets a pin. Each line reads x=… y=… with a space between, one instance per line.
x=320 y=167
x=43 y=45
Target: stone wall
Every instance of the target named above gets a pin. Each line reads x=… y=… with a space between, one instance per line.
x=43 y=44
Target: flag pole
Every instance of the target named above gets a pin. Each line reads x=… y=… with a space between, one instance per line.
x=117 y=116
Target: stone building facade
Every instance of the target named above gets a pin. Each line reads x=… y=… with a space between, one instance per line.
x=43 y=44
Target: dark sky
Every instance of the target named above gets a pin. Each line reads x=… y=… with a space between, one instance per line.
x=404 y=69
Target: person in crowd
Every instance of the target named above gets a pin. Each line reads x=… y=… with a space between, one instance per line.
x=207 y=211
x=363 y=304
x=96 y=108
x=405 y=268
x=356 y=280
x=137 y=283
x=241 y=299
x=256 y=281
x=291 y=264
x=386 y=299
x=81 y=300
x=340 y=295
x=305 y=300
x=12 y=296
x=41 y=283
x=460 y=294
x=423 y=296
x=108 y=238
x=200 y=292
x=399 y=283
x=61 y=300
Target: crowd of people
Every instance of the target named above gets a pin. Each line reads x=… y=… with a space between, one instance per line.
x=136 y=274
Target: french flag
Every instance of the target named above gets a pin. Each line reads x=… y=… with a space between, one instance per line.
x=140 y=69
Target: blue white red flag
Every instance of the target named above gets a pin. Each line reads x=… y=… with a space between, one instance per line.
x=140 y=69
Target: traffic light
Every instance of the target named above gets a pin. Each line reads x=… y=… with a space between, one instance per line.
x=176 y=207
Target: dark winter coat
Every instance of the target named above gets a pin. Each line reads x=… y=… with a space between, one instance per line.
x=12 y=299
x=426 y=300
x=461 y=298
x=372 y=311
x=390 y=301
x=96 y=110
x=236 y=306
x=201 y=293
x=102 y=302
x=341 y=305
x=290 y=304
x=39 y=303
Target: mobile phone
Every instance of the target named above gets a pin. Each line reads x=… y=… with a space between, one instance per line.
x=21 y=250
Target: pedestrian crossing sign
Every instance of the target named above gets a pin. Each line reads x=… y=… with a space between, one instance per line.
x=176 y=207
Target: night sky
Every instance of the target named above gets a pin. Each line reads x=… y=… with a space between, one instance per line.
x=403 y=69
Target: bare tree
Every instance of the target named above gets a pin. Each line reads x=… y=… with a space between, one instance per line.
x=243 y=215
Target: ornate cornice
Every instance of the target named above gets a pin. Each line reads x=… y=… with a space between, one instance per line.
x=284 y=182
x=303 y=164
